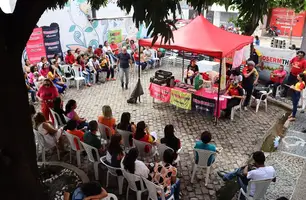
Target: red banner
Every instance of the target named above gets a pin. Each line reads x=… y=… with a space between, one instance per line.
x=35 y=46
x=160 y=93
x=285 y=19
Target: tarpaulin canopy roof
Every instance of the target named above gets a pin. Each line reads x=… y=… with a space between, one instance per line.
x=200 y=36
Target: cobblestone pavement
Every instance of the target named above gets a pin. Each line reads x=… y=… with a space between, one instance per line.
x=238 y=138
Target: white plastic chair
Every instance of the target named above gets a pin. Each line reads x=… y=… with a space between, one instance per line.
x=110 y=196
x=261 y=187
x=92 y=158
x=57 y=119
x=103 y=133
x=141 y=148
x=203 y=157
x=41 y=142
x=261 y=99
x=238 y=107
x=126 y=138
x=77 y=76
x=171 y=57
x=67 y=69
x=113 y=171
x=154 y=189
x=72 y=138
x=154 y=56
x=131 y=179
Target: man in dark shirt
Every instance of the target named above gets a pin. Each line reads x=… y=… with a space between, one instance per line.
x=91 y=138
x=250 y=78
x=124 y=59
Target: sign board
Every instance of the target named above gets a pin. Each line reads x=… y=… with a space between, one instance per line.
x=272 y=58
x=115 y=35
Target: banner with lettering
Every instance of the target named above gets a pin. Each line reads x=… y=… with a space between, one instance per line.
x=203 y=105
x=35 y=46
x=272 y=58
x=52 y=41
x=160 y=93
x=180 y=99
x=115 y=35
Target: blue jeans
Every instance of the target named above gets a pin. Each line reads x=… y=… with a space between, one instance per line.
x=33 y=94
x=142 y=64
x=124 y=72
x=60 y=88
x=86 y=76
x=295 y=101
x=150 y=62
x=235 y=173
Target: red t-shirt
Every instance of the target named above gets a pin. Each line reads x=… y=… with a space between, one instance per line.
x=69 y=59
x=79 y=134
x=113 y=47
x=98 y=52
x=298 y=66
x=276 y=79
x=49 y=93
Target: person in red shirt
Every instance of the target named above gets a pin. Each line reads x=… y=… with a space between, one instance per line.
x=98 y=51
x=114 y=47
x=46 y=95
x=277 y=78
x=297 y=66
x=69 y=59
x=236 y=93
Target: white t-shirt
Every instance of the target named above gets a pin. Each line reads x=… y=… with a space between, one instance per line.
x=141 y=169
x=147 y=53
x=92 y=63
x=106 y=49
x=260 y=173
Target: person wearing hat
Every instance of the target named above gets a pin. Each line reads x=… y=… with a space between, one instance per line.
x=194 y=68
x=236 y=93
x=250 y=78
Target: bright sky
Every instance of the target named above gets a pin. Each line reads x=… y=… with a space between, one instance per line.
x=7 y=6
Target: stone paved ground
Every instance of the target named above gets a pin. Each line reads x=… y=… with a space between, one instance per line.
x=238 y=138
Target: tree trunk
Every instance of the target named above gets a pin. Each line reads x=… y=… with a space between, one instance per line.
x=18 y=167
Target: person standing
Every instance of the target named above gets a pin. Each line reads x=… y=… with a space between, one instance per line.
x=250 y=78
x=277 y=78
x=124 y=59
x=297 y=66
x=257 y=41
x=296 y=95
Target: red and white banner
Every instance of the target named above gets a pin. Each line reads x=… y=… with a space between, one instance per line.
x=35 y=46
x=285 y=19
x=160 y=93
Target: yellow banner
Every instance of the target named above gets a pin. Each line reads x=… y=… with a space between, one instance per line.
x=181 y=99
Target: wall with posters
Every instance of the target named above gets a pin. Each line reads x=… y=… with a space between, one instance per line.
x=284 y=19
x=76 y=31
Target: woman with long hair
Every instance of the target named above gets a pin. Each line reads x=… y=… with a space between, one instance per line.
x=58 y=108
x=296 y=95
x=72 y=115
x=52 y=136
x=125 y=123
x=46 y=95
x=44 y=70
x=107 y=119
x=134 y=166
x=170 y=139
x=115 y=152
x=142 y=133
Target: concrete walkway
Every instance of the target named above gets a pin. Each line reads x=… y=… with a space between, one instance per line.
x=289 y=162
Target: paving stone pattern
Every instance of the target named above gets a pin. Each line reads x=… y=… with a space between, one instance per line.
x=237 y=138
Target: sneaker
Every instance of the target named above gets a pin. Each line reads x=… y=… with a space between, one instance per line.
x=107 y=79
x=113 y=79
x=221 y=175
x=245 y=108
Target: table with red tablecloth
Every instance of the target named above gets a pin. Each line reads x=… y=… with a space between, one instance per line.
x=200 y=100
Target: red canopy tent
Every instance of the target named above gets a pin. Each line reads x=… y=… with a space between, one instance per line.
x=200 y=36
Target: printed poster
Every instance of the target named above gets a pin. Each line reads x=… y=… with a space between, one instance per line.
x=203 y=105
x=35 y=46
x=180 y=99
x=52 y=41
x=115 y=35
x=160 y=93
